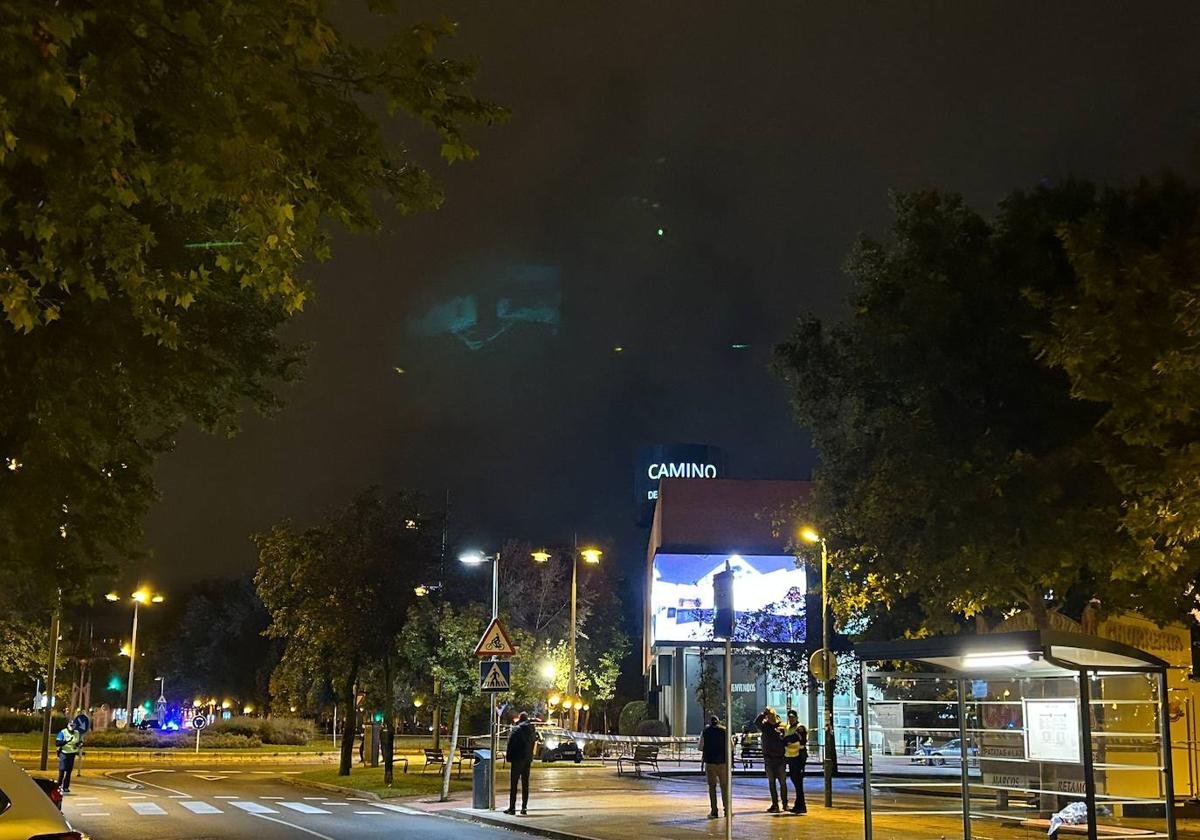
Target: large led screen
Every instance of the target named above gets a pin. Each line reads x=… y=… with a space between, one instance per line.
x=768 y=596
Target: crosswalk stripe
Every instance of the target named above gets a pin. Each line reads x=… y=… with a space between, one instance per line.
x=224 y=796
x=201 y=807
x=253 y=807
x=147 y=809
x=347 y=804
x=399 y=809
x=314 y=798
x=303 y=808
x=371 y=813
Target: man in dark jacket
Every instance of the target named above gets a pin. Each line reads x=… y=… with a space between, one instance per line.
x=522 y=744
x=714 y=752
x=769 y=725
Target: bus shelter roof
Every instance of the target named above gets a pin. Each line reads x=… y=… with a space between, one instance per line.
x=1030 y=653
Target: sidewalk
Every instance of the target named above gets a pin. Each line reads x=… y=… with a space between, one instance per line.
x=594 y=803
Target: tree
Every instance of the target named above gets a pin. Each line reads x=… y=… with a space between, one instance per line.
x=439 y=641
x=166 y=170
x=958 y=477
x=1127 y=334
x=337 y=594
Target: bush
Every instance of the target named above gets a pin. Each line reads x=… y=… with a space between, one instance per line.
x=283 y=730
x=279 y=730
x=593 y=749
x=653 y=728
x=122 y=738
x=631 y=715
x=12 y=722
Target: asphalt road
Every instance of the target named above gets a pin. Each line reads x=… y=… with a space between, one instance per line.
x=197 y=804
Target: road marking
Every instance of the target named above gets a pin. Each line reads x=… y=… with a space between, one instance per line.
x=201 y=808
x=209 y=778
x=252 y=807
x=270 y=797
x=160 y=787
x=400 y=809
x=147 y=809
x=297 y=827
x=303 y=808
x=290 y=772
x=93 y=813
x=336 y=803
x=371 y=813
x=314 y=798
x=263 y=772
x=357 y=799
x=229 y=772
x=136 y=796
x=224 y=796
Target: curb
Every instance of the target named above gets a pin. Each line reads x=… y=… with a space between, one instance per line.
x=465 y=815
x=107 y=779
x=184 y=756
x=325 y=786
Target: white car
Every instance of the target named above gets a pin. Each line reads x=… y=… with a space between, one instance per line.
x=25 y=810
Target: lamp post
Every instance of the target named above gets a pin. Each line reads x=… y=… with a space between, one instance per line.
x=592 y=556
x=142 y=596
x=475 y=558
x=809 y=535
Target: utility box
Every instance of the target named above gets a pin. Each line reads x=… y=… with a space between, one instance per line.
x=371 y=744
x=481 y=780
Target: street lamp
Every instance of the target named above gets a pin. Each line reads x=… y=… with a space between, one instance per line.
x=477 y=558
x=141 y=596
x=591 y=556
x=811 y=536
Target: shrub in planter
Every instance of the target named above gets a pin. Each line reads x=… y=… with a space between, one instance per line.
x=281 y=730
x=655 y=728
x=12 y=722
x=631 y=715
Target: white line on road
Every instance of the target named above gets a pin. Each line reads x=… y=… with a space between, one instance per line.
x=253 y=807
x=208 y=778
x=303 y=808
x=263 y=772
x=400 y=809
x=224 y=796
x=335 y=803
x=93 y=813
x=160 y=787
x=290 y=772
x=270 y=797
x=371 y=813
x=137 y=796
x=147 y=809
x=297 y=827
x=201 y=808
x=314 y=798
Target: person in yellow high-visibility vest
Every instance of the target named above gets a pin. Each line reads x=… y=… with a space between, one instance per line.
x=69 y=742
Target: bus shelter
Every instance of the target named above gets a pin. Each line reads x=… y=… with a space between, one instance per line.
x=1015 y=735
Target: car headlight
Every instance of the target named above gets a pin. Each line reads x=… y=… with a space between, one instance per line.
x=551 y=743
x=580 y=745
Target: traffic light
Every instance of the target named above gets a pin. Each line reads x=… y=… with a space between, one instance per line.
x=114 y=683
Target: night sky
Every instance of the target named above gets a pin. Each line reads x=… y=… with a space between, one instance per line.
x=768 y=135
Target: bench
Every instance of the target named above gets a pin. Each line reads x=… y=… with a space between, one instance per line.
x=434 y=757
x=750 y=755
x=1101 y=830
x=642 y=757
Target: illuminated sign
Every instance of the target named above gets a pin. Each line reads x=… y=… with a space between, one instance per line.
x=1052 y=730
x=674 y=460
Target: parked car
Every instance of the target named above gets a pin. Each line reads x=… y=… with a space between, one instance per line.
x=148 y=724
x=951 y=750
x=26 y=812
x=558 y=745
x=51 y=789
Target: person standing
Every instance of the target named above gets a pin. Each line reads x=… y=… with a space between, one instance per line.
x=714 y=753
x=795 y=753
x=69 y=742
x=773 y=761
x=522 y=744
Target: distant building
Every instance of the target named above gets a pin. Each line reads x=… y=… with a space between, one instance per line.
x=700 y=526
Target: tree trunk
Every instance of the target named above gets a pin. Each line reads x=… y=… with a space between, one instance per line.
x=1037 y=608
x=437 y=713
x=450 y=751
x=349 y=722
x=389 y=720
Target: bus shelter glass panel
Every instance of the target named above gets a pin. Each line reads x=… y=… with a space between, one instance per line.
x=916 y=753
x=1127 y=752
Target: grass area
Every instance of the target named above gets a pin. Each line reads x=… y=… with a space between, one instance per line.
x=33 y=741
x=371 y=779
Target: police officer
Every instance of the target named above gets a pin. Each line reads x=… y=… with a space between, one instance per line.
x=69 y=743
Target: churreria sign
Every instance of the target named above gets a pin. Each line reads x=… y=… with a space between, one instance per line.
x=678 y=460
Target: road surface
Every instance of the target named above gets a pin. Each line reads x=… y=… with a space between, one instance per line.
x=199 y=804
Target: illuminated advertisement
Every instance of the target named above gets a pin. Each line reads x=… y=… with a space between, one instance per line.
x=1052 y=729
x=768 y=595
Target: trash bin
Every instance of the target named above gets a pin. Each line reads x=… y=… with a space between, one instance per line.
x=481 y=780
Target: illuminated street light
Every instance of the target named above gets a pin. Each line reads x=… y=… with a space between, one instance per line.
x=541 y=556
x=808 y=534
x=591 y=555
x=141 y=596
x=475 y=558
x=549 y=670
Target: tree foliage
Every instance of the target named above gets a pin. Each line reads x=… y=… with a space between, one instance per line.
x=958 y=475
x=166 y=170
x=1127 y=334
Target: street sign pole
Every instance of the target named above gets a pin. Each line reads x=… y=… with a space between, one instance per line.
x=724 y=619
x=494 y=718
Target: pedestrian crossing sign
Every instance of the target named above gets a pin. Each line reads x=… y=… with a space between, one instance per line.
x=495 y=641
x=494 y=675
